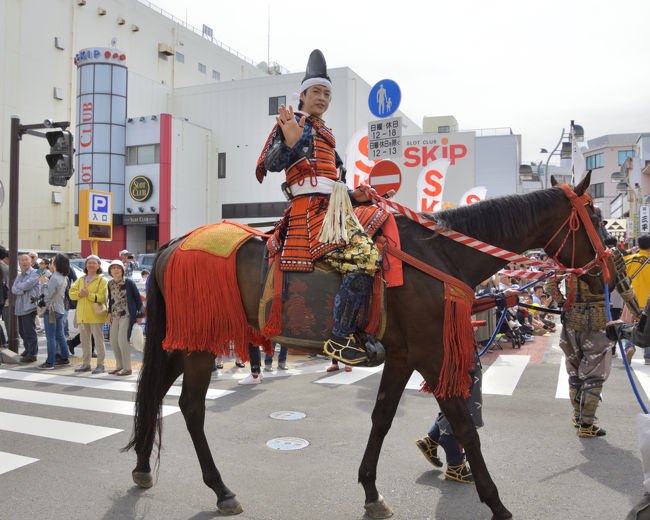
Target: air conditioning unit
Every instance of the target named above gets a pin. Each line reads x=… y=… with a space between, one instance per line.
x=165 y=49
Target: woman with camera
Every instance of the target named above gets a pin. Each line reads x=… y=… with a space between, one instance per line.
x=91 y=294
x=55 y=313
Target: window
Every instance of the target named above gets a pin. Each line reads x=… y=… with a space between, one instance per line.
x=624 y=154
x=254 y=209
x=201 y=68
x=221 y=165
x=275 y=103
x=145 y=154
x=180 y=57
x=597 y=191
x=595 y=161
x=216 y=75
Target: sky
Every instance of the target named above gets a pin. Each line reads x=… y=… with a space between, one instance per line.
x=529 y=65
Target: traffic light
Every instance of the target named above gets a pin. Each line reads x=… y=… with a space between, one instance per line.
x=60 y=158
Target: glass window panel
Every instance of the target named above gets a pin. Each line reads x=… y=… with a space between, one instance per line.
x=101 y=186
x=102 y=78
x=101 y=168
x=117 y=169
x=118 y=139
x=131 y=155
x=119 y=81
x=118 y=110
x=600 y=160
x=180 y=57
x=156 y=154
x=87 y=75
x=118 y=198
x=146 y=154
x=101 y=138
x=85 y=109
x=102 y=108
x=84 y=139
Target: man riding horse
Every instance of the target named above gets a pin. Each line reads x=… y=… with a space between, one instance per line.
x=320 y=222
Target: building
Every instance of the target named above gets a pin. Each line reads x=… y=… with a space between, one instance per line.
x=177 y=122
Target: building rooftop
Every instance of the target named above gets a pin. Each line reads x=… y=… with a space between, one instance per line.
x=616 y=140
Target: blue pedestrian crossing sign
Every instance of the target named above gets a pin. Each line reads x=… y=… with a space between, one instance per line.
x=384 y=98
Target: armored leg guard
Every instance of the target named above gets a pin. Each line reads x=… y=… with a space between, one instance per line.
x=429 y=449
x=588 y=405
x=342 y=343
x=575 y=393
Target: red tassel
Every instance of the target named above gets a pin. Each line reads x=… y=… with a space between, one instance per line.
x=273 y=326
x=458 y=340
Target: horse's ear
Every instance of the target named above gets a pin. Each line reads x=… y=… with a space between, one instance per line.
x=584 y=184
x=554 y=181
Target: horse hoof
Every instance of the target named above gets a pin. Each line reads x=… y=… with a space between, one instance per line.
x=502 y=515
x=230 y=506
x=142 y=478
x=378 y=509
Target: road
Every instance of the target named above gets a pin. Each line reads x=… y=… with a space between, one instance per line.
x=61 y=434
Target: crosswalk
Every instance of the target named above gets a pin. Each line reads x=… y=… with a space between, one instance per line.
x=501 y=378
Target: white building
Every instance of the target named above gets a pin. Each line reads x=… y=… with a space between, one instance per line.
x=197 y=117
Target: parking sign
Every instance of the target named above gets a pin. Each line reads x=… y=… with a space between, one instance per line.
x=95 y=215
x=100 y=210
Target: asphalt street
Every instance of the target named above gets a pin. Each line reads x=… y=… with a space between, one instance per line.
x=542 y=469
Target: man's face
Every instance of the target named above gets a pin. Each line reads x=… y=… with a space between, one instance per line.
x=32 y=257
x=25 y=262
x=316 y=100
x=539 y=292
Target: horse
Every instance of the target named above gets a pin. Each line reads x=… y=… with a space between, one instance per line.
x=413 y=337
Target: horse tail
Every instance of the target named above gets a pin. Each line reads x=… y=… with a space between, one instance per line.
x=147 y=422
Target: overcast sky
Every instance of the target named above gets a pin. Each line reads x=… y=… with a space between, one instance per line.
x=528 y=65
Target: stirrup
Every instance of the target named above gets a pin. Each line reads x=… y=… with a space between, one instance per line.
x=460 y=473
x=347 y=351
x=590 y=430
x=429 y=449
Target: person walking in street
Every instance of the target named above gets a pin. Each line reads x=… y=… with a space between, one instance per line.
x=638 y=269
x=25 y=288
x=124 y=310
x=90 y=292
x=256 y=376
x=587 y=349
x=282 y=359
x=55 y=313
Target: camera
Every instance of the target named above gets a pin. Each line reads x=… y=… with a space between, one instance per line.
x=39 y=301
x=131 y=257
x=48 y=123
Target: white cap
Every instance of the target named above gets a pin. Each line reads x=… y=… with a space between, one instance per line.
x=124 y=252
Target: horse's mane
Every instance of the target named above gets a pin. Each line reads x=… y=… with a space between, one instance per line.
x=494 y=220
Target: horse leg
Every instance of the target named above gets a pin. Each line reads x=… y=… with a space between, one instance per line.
x=142 y=472
x=198 y=370
x=465 y=432
x=393 y=381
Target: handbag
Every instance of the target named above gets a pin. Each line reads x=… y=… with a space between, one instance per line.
x=99 y=308
x=137 y=337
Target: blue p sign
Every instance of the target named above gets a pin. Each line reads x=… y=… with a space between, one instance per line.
x=99 y=203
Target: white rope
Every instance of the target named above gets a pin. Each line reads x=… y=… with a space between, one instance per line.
x=340 y=209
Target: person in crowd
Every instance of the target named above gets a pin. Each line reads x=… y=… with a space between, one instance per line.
x=282 y=359
x=335 y=366
x=88 y=289
x=4 y=293
x=638 y=269
x=33 y=257
x=25 y=288
x=124 y=310
x=145 y=276
x=55 y=313
x=69 y=304
x=256 y=376
x=587 y=349
x=483 y=334
x=218 y=363
x=129 y=263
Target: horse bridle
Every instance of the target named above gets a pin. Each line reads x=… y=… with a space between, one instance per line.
x=579 y=216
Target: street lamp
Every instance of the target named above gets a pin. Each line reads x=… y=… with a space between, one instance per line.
x=622 y=179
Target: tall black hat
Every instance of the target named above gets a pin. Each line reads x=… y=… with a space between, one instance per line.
x=316 y=73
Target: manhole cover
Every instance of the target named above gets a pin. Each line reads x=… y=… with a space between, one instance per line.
x=287 y=443
x=287 y=415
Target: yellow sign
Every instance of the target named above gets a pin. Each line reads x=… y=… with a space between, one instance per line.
x=95 y=215
x=140 y=188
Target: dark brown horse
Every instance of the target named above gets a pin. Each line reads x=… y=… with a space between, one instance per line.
x=413 y=337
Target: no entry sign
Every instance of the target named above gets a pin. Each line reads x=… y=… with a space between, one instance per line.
x=385 y=176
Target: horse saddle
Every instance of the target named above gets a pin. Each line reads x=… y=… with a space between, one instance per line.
x=308 y=303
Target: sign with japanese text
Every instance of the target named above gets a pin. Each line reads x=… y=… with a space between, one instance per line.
x=385 y=138
x=644 y=219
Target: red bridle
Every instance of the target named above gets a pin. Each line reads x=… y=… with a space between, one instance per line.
x=577 y=216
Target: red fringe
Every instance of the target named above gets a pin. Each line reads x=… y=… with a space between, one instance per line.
x=273 y=325
x=458 y=339
x=375 y=305
x=204 y=306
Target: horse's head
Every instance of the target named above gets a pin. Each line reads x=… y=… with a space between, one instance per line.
x=579 y=239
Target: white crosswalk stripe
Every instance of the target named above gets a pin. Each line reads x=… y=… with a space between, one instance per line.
x=562 y=390
x=348 y=378
x=503 y=375
x=10 y=461
x=54 y=429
